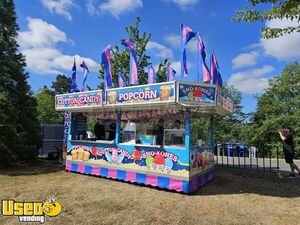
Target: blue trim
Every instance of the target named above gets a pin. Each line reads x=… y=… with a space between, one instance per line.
x=88 y=169
x=141 y=178
x=74 y=167
x=121 y=174
x=163 y=182
x=103 y=172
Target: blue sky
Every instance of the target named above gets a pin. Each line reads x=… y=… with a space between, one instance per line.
x=52 y=32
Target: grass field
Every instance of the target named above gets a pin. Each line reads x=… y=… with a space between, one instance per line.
x=233 y=197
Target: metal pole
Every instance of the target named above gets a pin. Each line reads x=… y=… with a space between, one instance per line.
x=277 y=158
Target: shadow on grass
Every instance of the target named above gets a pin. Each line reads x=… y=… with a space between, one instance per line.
x=38 y=167
x=239 y=181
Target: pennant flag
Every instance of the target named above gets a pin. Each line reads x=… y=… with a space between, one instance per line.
x=74 y=85
x=219 y=80
x=216 y=77
x=213 y=69
x=201 y=54
x=122 y=81
x=105 y=57
x=170 y=73
x=133 y=77
x=85 y=73
x=151 y=75
x=186 y=34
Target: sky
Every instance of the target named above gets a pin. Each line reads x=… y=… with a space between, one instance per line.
x=53 y=32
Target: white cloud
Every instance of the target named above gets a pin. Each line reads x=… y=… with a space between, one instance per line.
x=184 y=4
x=251 y=81
x=174 y=41
x=159 y=50
x=60 y=7
x=245 y=60
x=117 y=7
x=38 y=44
x=91 y=9
x=284 y=47
x=40 y=34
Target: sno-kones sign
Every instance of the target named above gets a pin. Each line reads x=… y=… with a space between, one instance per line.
x=78 y=100
x=156 y=93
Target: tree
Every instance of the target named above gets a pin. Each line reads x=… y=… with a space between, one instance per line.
x=120 y=59
x=161 y=75
x=280 y=104
x=19 y=133
x=46 y=107
x=46 y=100
x=280 y=9
x=62 y=84
x=232 y=128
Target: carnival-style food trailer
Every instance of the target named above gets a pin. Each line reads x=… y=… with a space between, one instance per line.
x=147 y=148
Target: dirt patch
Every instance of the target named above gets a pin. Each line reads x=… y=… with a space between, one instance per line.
x=233 y=197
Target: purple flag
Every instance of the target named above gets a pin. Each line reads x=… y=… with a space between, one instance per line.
x=133 y=77
x=201 y=54
x=85 y=73
x=74 y=85
x=105 y=56
x=151 y=75
x=122 y=81
x=170 y=73
x=186 y=34
x=215 y=74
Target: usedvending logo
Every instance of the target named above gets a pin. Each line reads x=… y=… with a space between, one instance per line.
x=31 y=211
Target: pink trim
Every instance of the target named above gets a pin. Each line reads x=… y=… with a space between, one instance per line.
x=81 y=168
x=96 y=170
x=152 y=180
x=68 y=166
x=175 y=185
x=131 y=176
x=112 y=173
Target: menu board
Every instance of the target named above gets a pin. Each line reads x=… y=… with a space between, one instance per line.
x=154 y=93
x=224 y=102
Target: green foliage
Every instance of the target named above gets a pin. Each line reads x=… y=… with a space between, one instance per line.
x=19 y=133
x=120 y=60
x=279 y=9
x=62 y=84
x=279 y=105
x=161 y=74
x=46 y=107
x=232 y=128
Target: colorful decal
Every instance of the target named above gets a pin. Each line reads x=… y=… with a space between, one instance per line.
x=66 y=130
x=156 y=93
x=196 y=93
x=78 y=100
x=200 y=160
x=131 y=157
x=224 y=102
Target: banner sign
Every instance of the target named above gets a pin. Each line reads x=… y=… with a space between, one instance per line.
x=156 y=93
x=196 y=93
x=78 y=100
x=224 y=102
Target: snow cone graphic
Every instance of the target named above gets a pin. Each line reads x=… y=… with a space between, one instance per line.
x=197 y=94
